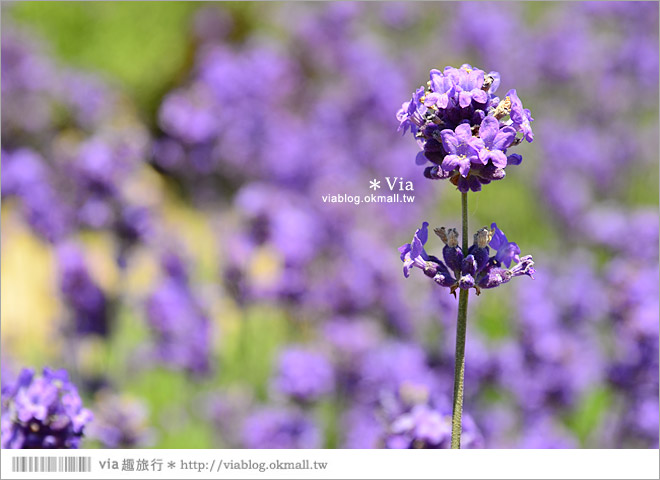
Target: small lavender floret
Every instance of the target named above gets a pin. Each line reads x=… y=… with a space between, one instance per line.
x=414 y=255
x=42 y=412
x=506 y=251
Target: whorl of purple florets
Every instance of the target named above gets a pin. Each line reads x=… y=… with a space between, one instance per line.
x=475 y=268
x=463 y=129
x=42 y=412
x=304 y=375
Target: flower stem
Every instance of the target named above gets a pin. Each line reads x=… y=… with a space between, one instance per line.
x=461 y=329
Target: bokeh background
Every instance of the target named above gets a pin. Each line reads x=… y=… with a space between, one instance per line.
x=165 y=241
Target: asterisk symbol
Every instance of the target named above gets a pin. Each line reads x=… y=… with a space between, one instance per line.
x=171 y=464
x=374 y=184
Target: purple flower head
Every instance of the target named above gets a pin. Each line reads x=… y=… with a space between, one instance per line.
x=182 y=330
x=390 y=366
x=97 y=167
x=189 y=115
x=280 y=428
x=475 y=268
x=304 y=375
x=460 y=125
x=43 y=412
x=120 y=422
x=87 y=302
x=27 y=176
x=133 y=225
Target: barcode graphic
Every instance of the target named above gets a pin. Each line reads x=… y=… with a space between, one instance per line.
x=51 y=464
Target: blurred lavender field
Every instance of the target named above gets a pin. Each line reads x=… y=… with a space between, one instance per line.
x=165 y=241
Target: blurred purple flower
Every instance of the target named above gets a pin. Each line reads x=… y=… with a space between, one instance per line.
x=120 y=422
x=182 y=331
x=280 y=428
x=303 y=374
x=88 y=303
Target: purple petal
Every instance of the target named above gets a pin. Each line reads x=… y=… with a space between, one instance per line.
x=507 y=254
x=449 y=141
x=476 y=79
x=479 y=96
x=475 y=184
x=423 y=233
x=464 y=133
x=464 y=167
x=406 y=268
x=443 y=101
x=463 y=185
x=488 y=129
x=496 y=82
x=450 y=162
x=504 y=138
x=499 y=239
x=514 y=159
x=403 y=249
x=498 y=158
x=431 y=99
x=464 y=99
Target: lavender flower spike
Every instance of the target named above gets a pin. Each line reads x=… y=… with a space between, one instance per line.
x=474 y=268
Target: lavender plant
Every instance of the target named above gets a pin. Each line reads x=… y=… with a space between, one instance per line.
x=465 y=131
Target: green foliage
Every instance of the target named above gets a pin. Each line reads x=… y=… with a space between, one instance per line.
x=143 y=45
x=588 y=415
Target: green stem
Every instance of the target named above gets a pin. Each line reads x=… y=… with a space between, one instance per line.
x=461 y=329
